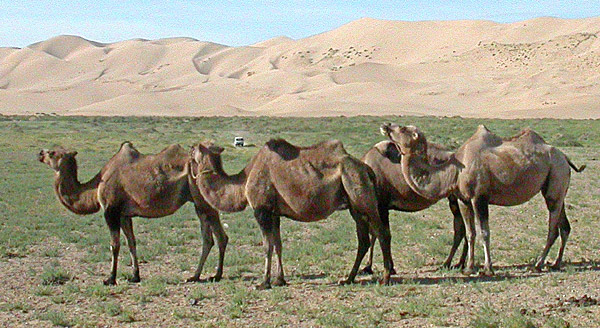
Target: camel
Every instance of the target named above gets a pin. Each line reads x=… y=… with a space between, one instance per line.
x=305 y=184
x=485 y=170
x=132 y=184
x=393 y=193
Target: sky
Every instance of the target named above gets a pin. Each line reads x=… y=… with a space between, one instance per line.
x=238 y=23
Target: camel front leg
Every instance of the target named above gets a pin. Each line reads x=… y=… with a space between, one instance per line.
x=222 y=240
x=265 y=221
x=127 y=227
x=459 y=235
x=114 y=224
x=207 y=244
x=362 y=232
x=466 y=210
x=481 y=205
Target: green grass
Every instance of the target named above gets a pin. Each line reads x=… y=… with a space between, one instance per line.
x=37 y=234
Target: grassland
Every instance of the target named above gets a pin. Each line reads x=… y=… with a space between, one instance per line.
x=52 y=262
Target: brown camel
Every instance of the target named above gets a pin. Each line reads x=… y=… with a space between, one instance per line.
x=305 y=184
x=393 y=193
x=132 y=184
x=489 y=170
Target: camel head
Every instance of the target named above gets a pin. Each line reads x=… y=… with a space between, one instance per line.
x=56 y=158
x=206 y=157
x=409 y=138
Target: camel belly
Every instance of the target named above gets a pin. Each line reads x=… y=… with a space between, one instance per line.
x=520 y=191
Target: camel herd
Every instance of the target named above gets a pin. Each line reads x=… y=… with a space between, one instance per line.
x=307 y=184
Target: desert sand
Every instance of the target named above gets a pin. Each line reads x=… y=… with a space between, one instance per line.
x=545 y=67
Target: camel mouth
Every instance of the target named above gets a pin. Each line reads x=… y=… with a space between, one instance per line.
x=41 y=156
x=385 y=129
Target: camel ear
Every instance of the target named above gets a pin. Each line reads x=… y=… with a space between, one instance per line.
x=216 y=149
x=72 y=153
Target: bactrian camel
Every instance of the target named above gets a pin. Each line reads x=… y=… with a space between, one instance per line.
x=132 y=184
x=485 y=170
x=394 y=193
x=305 y=184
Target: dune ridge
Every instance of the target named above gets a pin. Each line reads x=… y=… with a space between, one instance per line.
x=544 y=67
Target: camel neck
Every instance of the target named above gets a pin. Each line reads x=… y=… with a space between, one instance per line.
x=226 y=193
x=78 y=198
x=433 y=182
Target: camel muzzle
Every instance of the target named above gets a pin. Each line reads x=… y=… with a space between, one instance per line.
x=385 y=129
x=41 y=155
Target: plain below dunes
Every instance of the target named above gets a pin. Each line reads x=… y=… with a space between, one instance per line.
x=544 y=67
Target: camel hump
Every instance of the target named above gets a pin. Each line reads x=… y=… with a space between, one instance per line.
x=486 y=136
x=128 y=150
x=334 y=144
x=528 y=135
x=483 y=129
x=283 y=148
x=173 y=150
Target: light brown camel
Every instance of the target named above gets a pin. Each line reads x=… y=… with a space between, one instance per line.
x=132 y=184
x=305 y=184
x=393 y=193
x=489 y=170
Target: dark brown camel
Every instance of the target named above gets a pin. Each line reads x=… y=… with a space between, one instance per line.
x=485 y=170
x=132 y=184
x=393 y=193
x=305 y=184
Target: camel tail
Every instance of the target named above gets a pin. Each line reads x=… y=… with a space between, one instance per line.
x=580 y=169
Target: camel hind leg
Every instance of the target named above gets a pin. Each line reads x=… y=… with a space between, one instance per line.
x=554 y=192
x=565 y=230
x=384 y=214
x=481 y=205
x=360 y=190
x=368 y=268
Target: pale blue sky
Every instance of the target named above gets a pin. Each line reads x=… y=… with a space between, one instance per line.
x=245 y=22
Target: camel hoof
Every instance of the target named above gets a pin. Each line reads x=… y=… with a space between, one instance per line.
x=468 y=271
x=134 y=279
x=344 y=282
x=279 y=282
x=487 y=273
x=555 y=267
x=193 y=279
x=386 y=280
x=392 y=271
x=536 y=269
x=110 y=282
x=264 y=286
x=214 y=279
x=458 y=266
x=366 y=270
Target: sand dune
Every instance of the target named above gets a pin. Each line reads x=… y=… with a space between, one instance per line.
x=544 y=67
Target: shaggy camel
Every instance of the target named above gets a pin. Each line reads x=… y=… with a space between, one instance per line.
x=489 y=170
x=305 y=184
x=132 y=184
x=394 y=193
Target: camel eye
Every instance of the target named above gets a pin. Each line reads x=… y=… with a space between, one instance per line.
x=52 y=153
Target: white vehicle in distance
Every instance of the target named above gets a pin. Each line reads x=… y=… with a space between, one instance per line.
x=238 y=142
